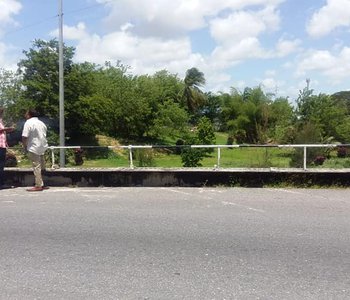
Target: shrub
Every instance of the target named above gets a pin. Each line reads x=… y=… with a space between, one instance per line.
x=319 y=160
x=342 y=152
x=230 y=140
x=78 y=157
x=11 y=160
x=240 y=136
x=192 y=157
x=145 y=157
x=179 y=143
x=308 y=133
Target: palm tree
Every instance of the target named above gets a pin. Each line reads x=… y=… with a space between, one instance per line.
x=192 y=95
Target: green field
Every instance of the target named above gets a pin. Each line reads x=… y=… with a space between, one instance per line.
x=230 y=158
x=245 y=157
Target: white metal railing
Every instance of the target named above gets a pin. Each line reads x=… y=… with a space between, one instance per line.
x=218 y=147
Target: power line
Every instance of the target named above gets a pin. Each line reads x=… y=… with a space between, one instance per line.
x=86 y=7
x=55 y=17
x=30 y=25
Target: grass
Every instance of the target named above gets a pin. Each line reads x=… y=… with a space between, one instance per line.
x=104 y=163
x=229 y=158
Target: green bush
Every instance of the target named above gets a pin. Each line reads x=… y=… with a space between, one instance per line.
x=11 y=160
x=308 y=134
x=191 y=157
x=144 y=157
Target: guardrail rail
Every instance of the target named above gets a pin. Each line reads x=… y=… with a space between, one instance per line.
x=130 y=148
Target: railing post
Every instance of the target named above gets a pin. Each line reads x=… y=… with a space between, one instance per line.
x=219 y=157
x=52 y=158
x=305 y=158
x=130 y=157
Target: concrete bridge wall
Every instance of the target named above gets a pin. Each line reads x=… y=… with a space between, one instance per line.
x=198 y=177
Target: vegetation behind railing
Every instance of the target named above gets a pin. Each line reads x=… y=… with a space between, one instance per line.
x=221 y=156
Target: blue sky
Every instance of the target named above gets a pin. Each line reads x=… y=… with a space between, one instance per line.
x=236 y=43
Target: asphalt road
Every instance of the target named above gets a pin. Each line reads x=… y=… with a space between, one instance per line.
x=175 y=243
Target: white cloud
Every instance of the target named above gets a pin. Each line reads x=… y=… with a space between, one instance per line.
x=8 y=59
x=72 y=32
x=271 y=85
x=237 y=35
x=317 y=60
x=245 y=49
x=168 y=18
x=75 y=33
x=236 y=27
x=216 y=36
x=144 y=55
x=157 y=18
x=270 y=16
x=240 y=25
x=270 y=73
x=336 y=67
x=240 y=84
x=286 y=47
x=2 y=53
x=126 y=26
x=334 y=14
x=241 y=4
x=8 y=8
x=152 y=35
x=218 y=81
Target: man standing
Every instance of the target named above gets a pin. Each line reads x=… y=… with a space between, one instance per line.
x=35 y=142
x=3 y=146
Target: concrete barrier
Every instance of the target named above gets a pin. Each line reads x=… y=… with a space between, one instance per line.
x=184 y=177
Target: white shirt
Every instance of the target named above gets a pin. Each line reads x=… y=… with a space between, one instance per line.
x=35 y=131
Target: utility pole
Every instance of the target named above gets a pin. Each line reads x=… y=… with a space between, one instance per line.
x=61 y=87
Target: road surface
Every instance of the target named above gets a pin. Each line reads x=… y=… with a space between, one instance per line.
x=175 y=243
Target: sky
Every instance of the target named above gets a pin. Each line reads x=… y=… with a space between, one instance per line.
x=276 y=44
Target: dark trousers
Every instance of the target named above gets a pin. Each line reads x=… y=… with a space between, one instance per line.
x=2 y=165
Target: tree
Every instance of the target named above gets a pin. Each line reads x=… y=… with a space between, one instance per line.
x=231 y=108
x=327 y=113
x=11 y=95
x=93 y=113
x=192 y=94
x=40 y=74
x=191 y=157
x=81 y=105
x=281 y=122
x=170 y=121
x=212 y=109
x=342 y=98
x=305 y=104
x=131 y=110
x=308 y=133
x=10 y=87
x=169 y=86
x=205 y=132
x=247 y=115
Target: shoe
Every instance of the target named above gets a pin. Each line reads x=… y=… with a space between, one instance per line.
x=45 y=187
x=35 y=189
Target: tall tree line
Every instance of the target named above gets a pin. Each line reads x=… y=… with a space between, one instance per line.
x=110 y=100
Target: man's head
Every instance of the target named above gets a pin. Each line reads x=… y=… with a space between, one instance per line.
x=30 y=113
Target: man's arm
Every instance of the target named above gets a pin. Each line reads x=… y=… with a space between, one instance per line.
x=7 y=129
x=24 y=142
x=25 y=134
